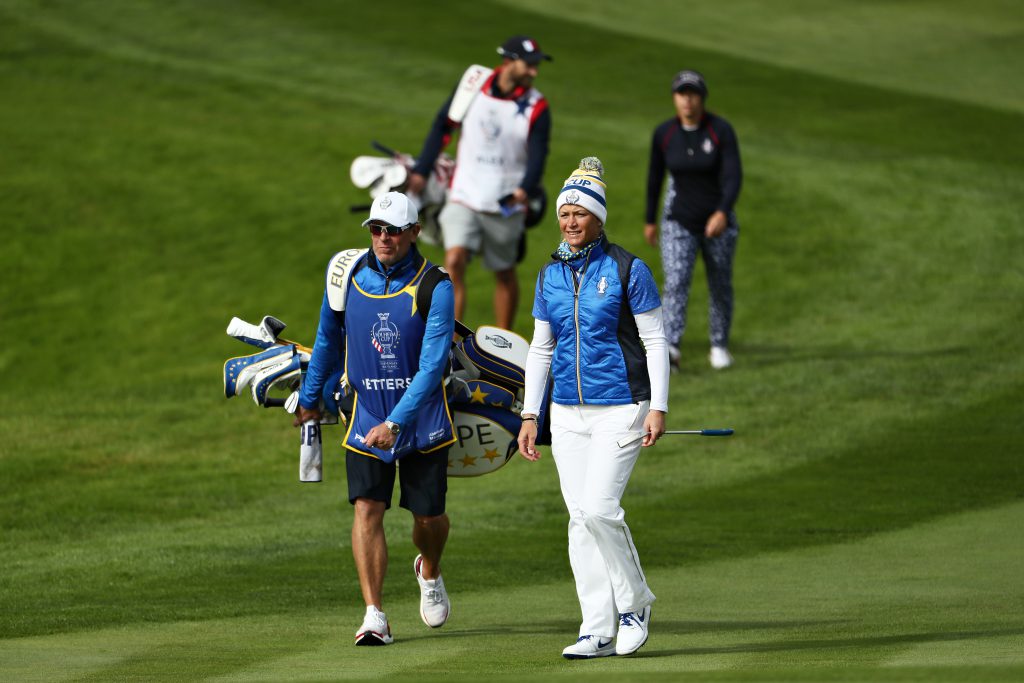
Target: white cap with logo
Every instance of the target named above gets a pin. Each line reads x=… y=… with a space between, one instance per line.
x=393 y=208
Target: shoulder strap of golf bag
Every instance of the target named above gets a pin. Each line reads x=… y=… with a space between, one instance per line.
x=466 y=91
x=425 y=289
x=339 y=274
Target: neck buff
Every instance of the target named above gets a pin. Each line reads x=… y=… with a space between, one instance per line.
x=563 y=253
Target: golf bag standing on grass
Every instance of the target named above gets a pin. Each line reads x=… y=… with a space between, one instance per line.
x=484 y=390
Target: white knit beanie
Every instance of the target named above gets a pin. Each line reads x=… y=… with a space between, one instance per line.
x=586 y=188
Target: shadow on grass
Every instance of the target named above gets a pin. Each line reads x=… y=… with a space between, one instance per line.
x=674 y=626
x=905 y=473
x=826 y=644
x=761 y=355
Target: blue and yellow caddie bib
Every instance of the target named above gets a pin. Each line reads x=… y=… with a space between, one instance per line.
x=384 y=334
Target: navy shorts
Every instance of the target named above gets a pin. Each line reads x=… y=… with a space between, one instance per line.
x=423 y=479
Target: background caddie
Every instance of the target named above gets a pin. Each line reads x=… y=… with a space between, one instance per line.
x=505 y=126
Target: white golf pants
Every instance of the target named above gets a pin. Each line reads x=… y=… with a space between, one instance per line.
x=593 y=472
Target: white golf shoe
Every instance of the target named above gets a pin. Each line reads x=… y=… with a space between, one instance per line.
x=720 y=357
x=434 y=603
x=375 y=629
x=588 y=647
x=632 y=631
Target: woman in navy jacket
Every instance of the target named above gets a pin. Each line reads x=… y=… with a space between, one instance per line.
x=701 y=156
x=599 y=337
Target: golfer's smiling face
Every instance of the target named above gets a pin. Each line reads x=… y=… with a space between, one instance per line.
x=579 y=227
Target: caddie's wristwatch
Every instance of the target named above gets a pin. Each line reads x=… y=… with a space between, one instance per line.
x=393 y=427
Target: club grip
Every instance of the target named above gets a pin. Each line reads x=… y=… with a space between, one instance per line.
x=274 y=403
x=716 y=432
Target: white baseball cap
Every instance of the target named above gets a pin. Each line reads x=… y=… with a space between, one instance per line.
x=393 y=208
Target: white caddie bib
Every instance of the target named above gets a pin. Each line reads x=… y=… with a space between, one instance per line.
x=491 y=158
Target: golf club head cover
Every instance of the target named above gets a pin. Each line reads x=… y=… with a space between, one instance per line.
x=287 y=369
x=238 y=372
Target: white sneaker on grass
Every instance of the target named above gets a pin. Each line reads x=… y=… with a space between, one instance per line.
x=720 y=357
x=375 y=629
x=633 y=628
x=434 y=603
x=588 y=647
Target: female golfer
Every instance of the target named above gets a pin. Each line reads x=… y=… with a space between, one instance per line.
x=599 y=336
x=700 y=152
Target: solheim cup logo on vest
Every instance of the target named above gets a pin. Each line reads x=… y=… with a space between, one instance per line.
x=384 y=336
x=491 y=126
x=708 y=146
x=602 y=285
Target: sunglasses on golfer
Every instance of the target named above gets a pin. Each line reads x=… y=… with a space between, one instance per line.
x=393 y=230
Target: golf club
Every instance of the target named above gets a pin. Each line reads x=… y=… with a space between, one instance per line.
x=263 y=335
x=622 y=443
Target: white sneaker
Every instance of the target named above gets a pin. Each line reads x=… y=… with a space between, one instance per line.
x=720 y=357
x=375 y=629
x=632 y=631
x=434 y=604
x=674 y=357
x=588 y=647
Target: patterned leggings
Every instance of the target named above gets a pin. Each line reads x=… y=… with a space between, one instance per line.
x=679 y=249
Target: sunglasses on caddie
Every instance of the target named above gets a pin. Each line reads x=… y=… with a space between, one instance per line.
x=393 y=230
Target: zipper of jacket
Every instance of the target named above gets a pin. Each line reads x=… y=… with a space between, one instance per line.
x=577 y=281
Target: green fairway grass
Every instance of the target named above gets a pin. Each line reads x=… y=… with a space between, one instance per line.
x=167 y=165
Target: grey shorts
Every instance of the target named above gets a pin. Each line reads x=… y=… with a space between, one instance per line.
x=493 y=234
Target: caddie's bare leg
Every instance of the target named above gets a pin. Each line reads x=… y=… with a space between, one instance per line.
x=429 y=535
x=455 y=260
x=506 y=298
x=370 y=549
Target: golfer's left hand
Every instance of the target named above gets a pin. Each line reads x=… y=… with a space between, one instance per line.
x=380 y=437
x=520 y=197
x=716 y=224
x=654 y=426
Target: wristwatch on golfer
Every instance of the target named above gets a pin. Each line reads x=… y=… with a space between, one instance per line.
x=393 y=427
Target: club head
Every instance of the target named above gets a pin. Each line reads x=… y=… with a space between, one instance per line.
x=272 y=326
